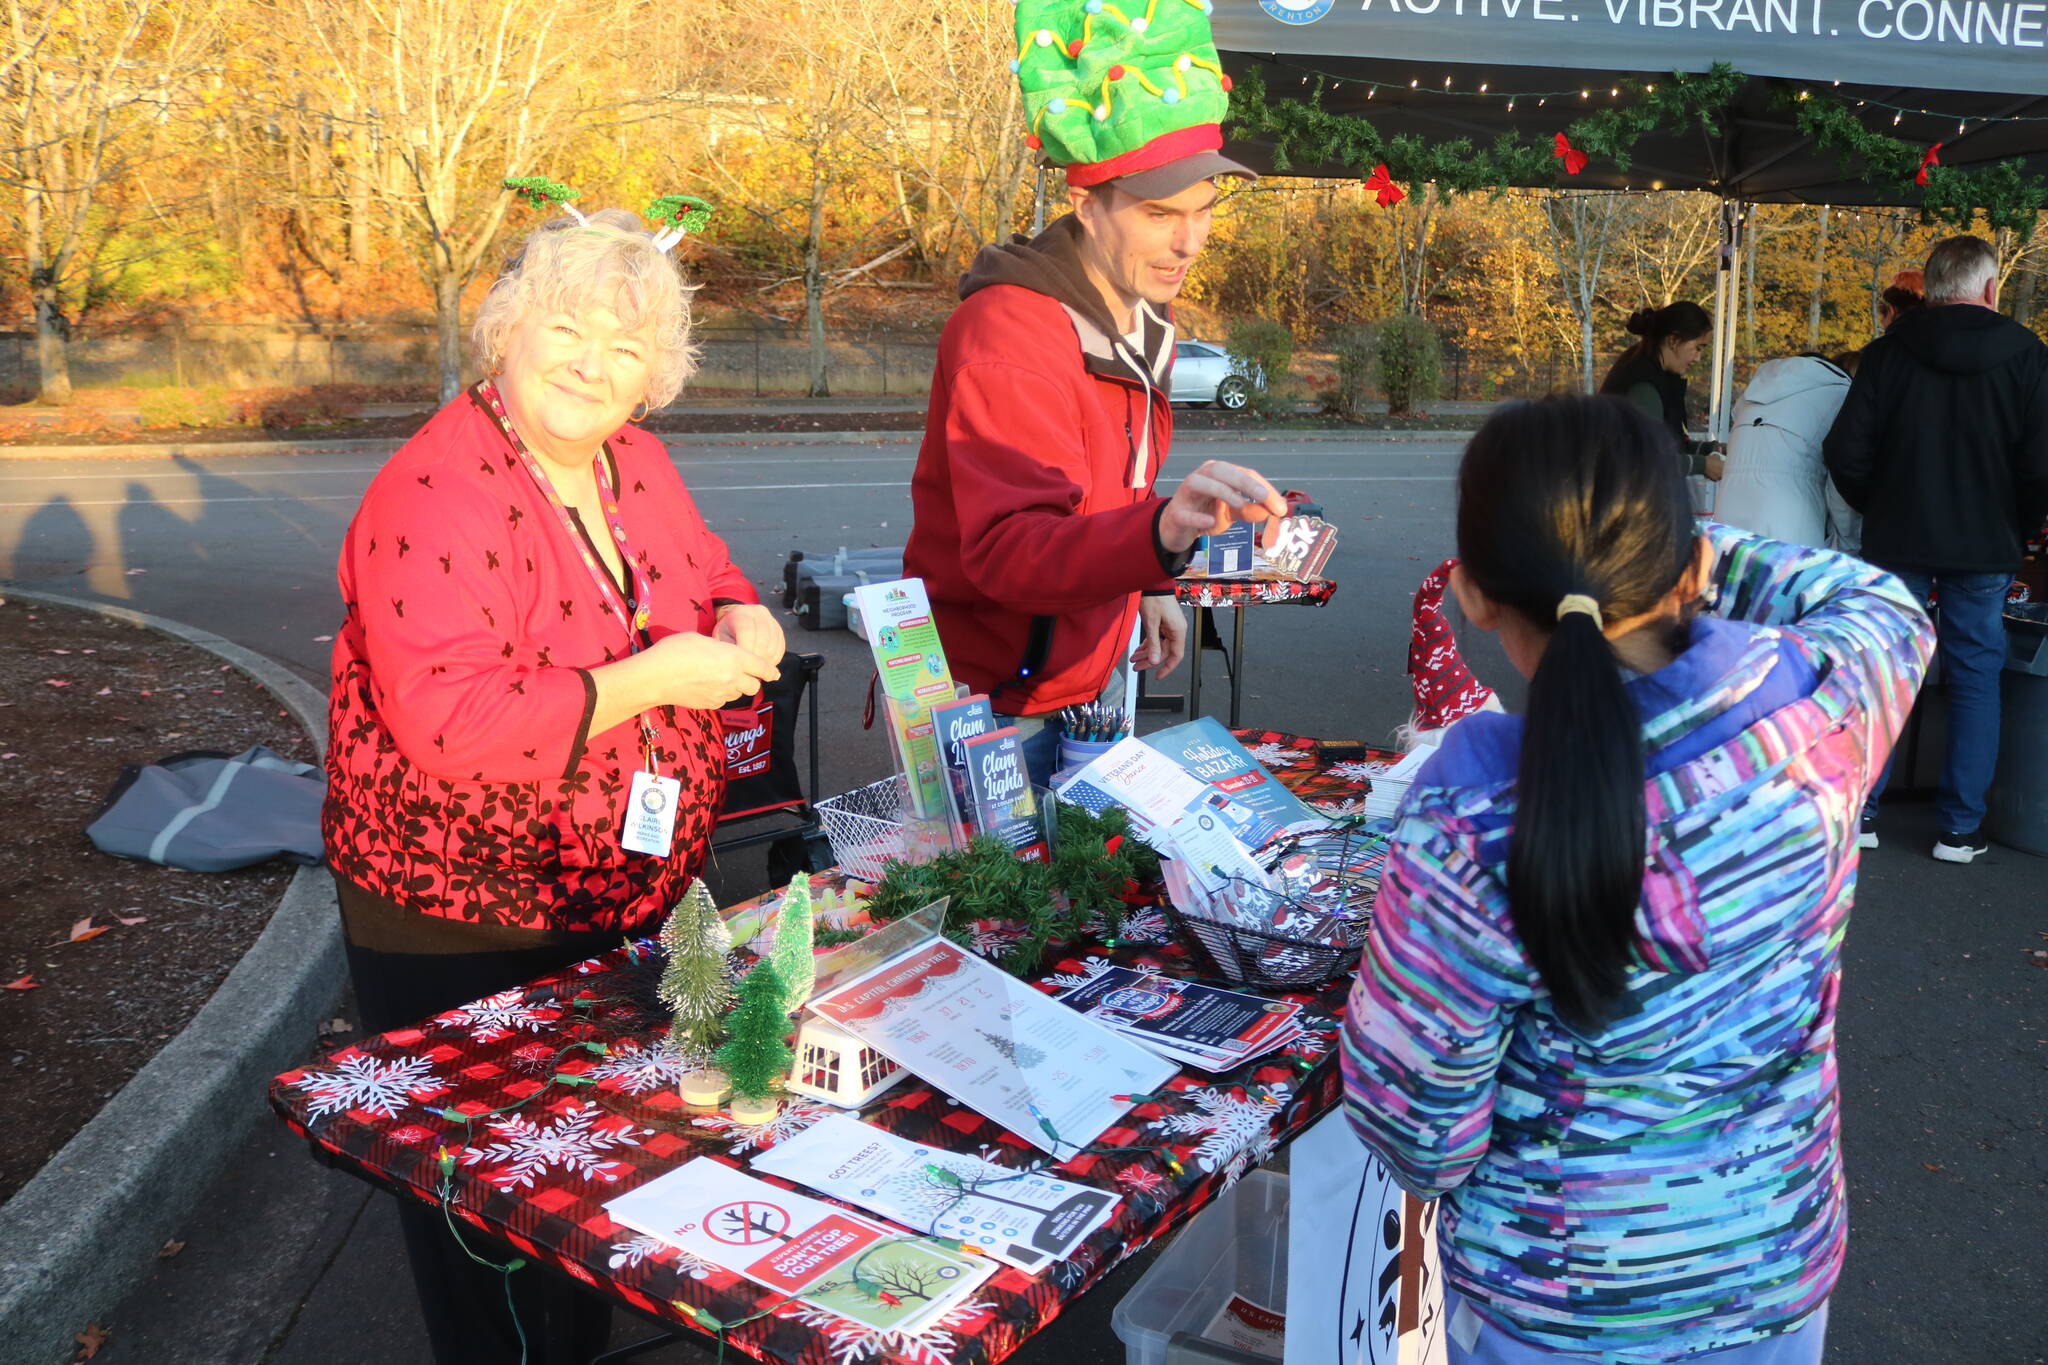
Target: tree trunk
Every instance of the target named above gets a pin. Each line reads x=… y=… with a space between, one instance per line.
x=448 y=326
x=814 y=287
x=1820 y=256
x=53 y=363
x=1586 y=346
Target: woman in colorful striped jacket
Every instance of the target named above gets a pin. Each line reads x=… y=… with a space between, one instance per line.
x=1597 y=1010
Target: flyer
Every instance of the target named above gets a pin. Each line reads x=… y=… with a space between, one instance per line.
x=1000 y=802
x=954 y=723
x=1211 y=1027
x=1026 y=1220
x=915 y=677
x=1209 y=753
x=800 y=1246
x=1187 y=820
x=1003 y=1049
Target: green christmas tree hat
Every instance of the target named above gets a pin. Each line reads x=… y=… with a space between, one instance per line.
x=1110 y=92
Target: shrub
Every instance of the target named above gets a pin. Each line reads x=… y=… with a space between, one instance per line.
x=1263 y=350
x=1411 y=362
x=1352 y=351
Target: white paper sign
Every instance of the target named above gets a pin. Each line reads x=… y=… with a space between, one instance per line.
x=1003 y=1049
x=1027 y=1220
x=1352 y=1297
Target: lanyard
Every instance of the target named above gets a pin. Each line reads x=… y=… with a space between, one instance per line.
x=634 y=619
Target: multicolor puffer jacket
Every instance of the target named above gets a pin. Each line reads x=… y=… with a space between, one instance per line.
x=1671 y=1183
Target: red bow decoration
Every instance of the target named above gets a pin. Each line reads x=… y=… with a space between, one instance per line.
x=1382 y=185
x=1930 y=157
x=1574 y=159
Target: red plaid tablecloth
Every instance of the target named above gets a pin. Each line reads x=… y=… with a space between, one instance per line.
x=578 y=1127
x=1249 y=592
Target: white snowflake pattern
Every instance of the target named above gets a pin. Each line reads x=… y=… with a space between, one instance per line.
x=1092 y=968
x=637 y=1068
x=1340 y=809
x=851 y=1343
x=993 y=938
x=1139 y=1179
x=1359 y=770
x=744 y=1137
x=500 y=1016
x=1272 y=752
x=628 y=1254
x=369 y=1083
x=527 y=1149
x=1146 y=926
x=1237 y=1130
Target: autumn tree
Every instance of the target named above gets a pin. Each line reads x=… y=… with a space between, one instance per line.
x=86 y=95
x=1582 y=230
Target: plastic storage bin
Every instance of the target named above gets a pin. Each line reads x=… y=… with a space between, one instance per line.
x=1238 y=1245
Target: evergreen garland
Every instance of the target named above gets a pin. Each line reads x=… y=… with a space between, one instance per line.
x=2003 y=192
x=986 y=880
x=1303 y=132
x=756 y=1054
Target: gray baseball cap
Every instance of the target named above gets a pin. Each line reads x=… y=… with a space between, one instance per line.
x=1164 y=182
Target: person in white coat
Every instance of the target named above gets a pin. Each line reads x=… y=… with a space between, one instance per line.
x=1775 y=483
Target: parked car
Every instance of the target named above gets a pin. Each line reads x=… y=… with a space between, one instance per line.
x=1203 y=372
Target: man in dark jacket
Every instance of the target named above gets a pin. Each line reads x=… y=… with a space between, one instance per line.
x=1942 y=445
x=1035 y=528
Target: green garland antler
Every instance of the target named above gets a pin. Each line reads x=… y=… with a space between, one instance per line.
x=541 y=193
x=684 y=211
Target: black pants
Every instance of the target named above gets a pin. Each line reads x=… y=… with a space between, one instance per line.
x=469 y=1313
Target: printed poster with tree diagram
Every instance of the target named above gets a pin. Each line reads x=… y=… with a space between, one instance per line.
x=877 y=1276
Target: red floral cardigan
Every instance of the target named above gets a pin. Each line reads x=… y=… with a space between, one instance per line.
x=462 y=777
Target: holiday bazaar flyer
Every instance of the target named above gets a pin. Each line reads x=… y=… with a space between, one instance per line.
x=1028 y=1219
x=802 y=1247
x=1003 y=1049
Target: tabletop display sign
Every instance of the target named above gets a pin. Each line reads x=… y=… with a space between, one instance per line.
x=1005 y=1050
x=1299 y=547
x=915 y=677
x=1208 y=752
x=792 y=1244
x=954 y=723
x=1228 y=554
x=1028 y=1220
x=1000 y=802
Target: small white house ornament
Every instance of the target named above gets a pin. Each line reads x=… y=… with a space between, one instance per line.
x=834 y=1066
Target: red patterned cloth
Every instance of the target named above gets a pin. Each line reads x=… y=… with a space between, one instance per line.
x=462 y=780
x=1445 y=689
x=537 y=1176
x=1248 y=592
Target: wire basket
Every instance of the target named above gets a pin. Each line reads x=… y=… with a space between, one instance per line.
x=1254 y=957
x=872 y=826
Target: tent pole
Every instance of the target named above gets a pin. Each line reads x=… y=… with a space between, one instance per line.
x=1727 y=297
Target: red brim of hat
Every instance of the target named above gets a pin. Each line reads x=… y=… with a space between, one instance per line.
x=1164 y=166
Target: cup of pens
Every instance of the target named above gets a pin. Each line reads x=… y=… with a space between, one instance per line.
x=1088 y=731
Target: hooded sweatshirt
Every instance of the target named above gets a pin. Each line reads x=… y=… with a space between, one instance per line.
x=1668 y=1183
x=1942 y=443
x=1034 y=525
x=1775 y=484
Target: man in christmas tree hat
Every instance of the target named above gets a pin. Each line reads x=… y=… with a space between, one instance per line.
x=1048 y=558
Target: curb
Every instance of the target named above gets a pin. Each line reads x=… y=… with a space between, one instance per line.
x=366 y=446
x=85 y=1230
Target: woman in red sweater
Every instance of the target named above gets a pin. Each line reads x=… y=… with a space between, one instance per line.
x=524 y=765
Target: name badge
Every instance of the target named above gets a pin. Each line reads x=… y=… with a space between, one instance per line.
x=650 y=824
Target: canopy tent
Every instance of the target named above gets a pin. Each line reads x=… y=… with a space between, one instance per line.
x=1970 y=75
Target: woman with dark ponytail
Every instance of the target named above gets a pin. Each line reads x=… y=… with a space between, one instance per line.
x=1651 y=374
x=1596 y=1012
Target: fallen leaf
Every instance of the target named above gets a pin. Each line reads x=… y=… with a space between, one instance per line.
x=104 y=692
x=133 y=572
x=1932 y=1167
x=85 y=929
x=170 y=1249
x=323 y=637
x=57 y=682
x=131 y=923
x=90 y=1340
x=60 y=651
x=22 y=983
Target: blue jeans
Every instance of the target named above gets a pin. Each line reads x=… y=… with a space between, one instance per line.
x=1970 y=636
x=1495 y=1347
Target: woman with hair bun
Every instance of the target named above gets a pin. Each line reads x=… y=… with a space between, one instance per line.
x=1907 y=291
x=1651 y=374
x=1596 y=1013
